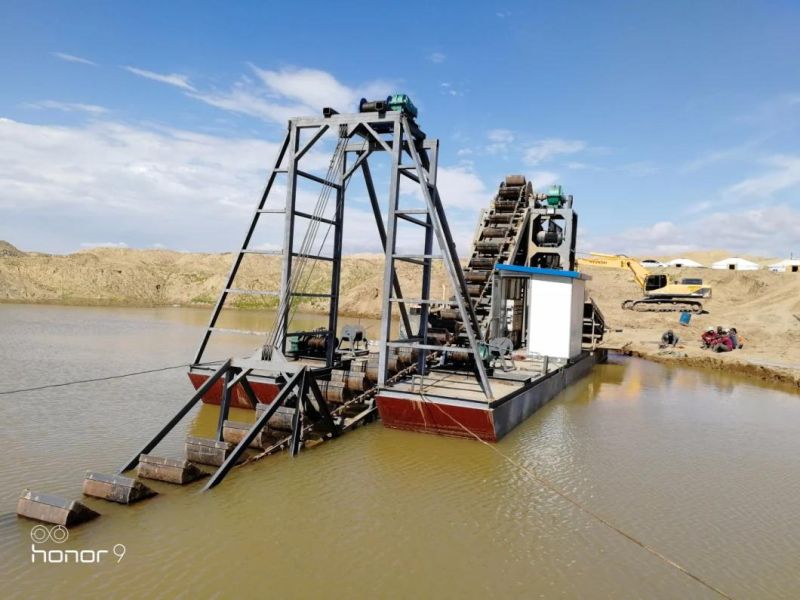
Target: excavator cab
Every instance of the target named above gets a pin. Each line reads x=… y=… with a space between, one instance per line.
x=655 y=282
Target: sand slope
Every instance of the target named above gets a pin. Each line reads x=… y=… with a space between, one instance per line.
x=114 y=276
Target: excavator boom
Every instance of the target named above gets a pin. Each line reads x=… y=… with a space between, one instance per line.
x=660 y=294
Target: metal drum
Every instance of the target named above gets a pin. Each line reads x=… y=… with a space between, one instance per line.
x=334 y=392
x=482 y=263
x=354 y=381
x=476 y=276
x=488 y=246
x=372 y=368
x=495 y=232
x=506 y=204
x=281 y=420
x=406 y=356
x=500 y=217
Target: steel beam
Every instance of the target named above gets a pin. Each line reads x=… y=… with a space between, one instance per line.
x=248 y=389
x=320 y=132
x=322 y=405
x=376 y=211
x=297 y=418
x=425 y=291
x=237 y=261
x=336 y=266
x=225 y=405
x=201 y=391
x=453 y=268
x=262 y=420
x=313 y=177
x=390 y=249
x=282 y=318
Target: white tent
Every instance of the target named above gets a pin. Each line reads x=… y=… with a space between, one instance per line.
x=683 y=262
x=736 y=264
x=790 y=265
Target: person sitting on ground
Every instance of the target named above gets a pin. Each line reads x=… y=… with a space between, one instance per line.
x=708 y=337
x=723 y=343
x=668 y=339
x=735 y=338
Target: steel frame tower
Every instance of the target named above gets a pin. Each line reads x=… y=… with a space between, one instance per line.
x=414 y=157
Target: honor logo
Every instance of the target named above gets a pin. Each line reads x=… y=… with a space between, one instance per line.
x=40 y=534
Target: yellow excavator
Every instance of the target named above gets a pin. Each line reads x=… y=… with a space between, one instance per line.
x=661 y=294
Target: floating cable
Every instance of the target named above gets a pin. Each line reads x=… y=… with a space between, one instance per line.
x=96 y=379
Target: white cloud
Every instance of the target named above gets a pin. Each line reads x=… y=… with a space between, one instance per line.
x=92 y=109
x=143 y=185
x=64 y=185
x=175 y=79
x=582 y=166
x=310 y=87
x=73 y=58
x=765 y=231
x=543 y=179
x=437 y=57
x=784 y=174
x=449 y=90
x=461 y=188
x=244 y=100
x=499 y=139
x=279 y=95
x=543 y=150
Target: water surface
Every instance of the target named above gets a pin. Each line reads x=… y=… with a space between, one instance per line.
x=702 y=466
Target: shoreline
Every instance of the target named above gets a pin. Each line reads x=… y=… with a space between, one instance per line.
x=783 y=376
x=680 y=356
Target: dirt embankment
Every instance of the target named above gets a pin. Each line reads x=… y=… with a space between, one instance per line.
x=121 y=276
x=760 y=304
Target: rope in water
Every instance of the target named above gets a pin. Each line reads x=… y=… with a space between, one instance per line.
x=96 y=379
x=546 y=484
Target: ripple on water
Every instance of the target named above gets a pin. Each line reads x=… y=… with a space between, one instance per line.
x=701 y=468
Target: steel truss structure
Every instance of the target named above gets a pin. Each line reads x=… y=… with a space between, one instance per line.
x=413 y=157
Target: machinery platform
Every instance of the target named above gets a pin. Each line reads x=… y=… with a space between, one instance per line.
x=453 y=405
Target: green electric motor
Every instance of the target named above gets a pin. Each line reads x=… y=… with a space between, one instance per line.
x=402 y=103
x=555 y=196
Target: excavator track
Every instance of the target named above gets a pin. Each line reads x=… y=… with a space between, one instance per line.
x=663 y=305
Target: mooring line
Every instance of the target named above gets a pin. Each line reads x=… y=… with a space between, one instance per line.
x=546 y=484
x=96 y=379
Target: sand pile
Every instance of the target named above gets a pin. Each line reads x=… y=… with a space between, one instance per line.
x=760 y=304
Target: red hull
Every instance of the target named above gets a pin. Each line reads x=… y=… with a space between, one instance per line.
x=265 y=392
x=418 y=415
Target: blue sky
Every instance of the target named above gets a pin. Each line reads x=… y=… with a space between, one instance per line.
x=675 y=125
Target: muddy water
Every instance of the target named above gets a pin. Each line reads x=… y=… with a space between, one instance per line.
x=704 y=467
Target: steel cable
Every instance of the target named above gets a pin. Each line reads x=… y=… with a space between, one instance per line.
x=306 y=246
x=563 y=495
x=104 y=378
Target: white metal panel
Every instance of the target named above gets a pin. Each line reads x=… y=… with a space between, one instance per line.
x=555 y=316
